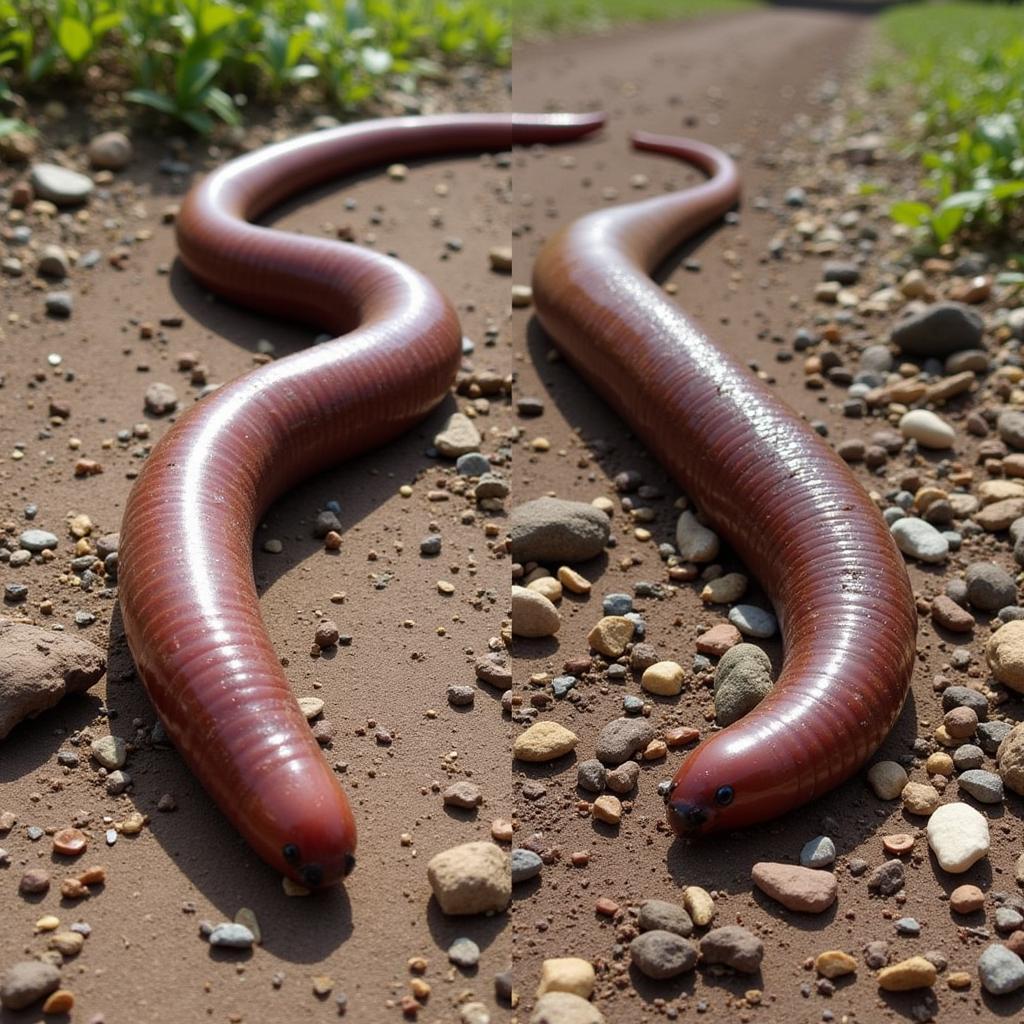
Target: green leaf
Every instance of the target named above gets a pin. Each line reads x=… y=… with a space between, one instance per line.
x=192 y=77
x=221 y=104
x=42 y=63
x=213 y=19
x=910 y=213
x=75 y=38
x=945 y=223
x=971 y=200
x=198 y=121
x=105 y=22
x=1008 y=190
x=155 y=100
x=1008 y=277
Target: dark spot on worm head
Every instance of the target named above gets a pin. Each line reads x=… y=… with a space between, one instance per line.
x=290 y=852
x=312 y=875
x=350 y=863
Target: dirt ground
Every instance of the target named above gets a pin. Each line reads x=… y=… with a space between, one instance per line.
x=145 y=954
x=757 y=86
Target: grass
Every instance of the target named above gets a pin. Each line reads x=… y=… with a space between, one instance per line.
x=199 y=61
x=534 y=17
x=964 y=64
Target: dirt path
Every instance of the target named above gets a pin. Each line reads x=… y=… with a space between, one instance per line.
x=750 y=84
x=409 y=642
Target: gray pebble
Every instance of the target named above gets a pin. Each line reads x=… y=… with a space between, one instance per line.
x=472 y=464
x=24 y=983
x=632 y=705
x=464 y=952
x=968 y=757
x=461 y=696
x=985 y=787
x=1008 y=919
x=887 y=878
x=60 y=185
x=965 y=697
x=525 y=865
x=561 y=685
x=1001 y=971
x=326 y=521
x=1011 y=428
x=232 y=935
x=39 y=540
x=621 y=738
x=661 y=915
x=59 y=304
x=920 y=540
x=552 y=530
x=742 y=680
x=431 y=544
x=617 y=604
x=991 y=734
x=908 y=926
x=591 y=775
x=753 y=621
x=819 y=852
x=989 y=587
x=661 y=954
x=733 y=946
x=939 y=330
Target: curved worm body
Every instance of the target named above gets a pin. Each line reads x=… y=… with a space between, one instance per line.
x=790 y=507
x=186 y=585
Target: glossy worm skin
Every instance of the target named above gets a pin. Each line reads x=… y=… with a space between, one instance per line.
x=186 y=585
x=788 y=505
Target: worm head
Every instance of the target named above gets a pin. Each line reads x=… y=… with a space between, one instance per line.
x=718 y=788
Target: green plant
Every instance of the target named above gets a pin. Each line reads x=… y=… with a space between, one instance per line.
x=965 y=65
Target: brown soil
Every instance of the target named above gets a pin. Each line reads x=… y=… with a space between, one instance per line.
x=750 y=84
x=145 y=960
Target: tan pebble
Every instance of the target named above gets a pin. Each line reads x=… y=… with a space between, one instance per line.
x=572 y=580
x=834 y=963
x=567 y=974
x=606 y=505
x=699 y=905
x=473 y=878
x=61 y=1001
x=655 y=750
x=323 y=984
x=444 y=587
x=608 y=809
x=522 y=296
x=293 y=888
x=67 y=943
x=907 y=974
x=548 y=586
x=533 y=615
x=501 y=830
x=544 y=741
x=725 y=589
x=398 y=172
x=70 y=842
x=664 y=678
x=959 y=980
x=81 y=525
x=95 y=875
x=1005 y=655
x=939 y=763
x=943 y=738
x=540 y=444
x=500 y=259
x=610 y=635
x=418 y=964
x=420 y=989
x=48 y=923
x=920 y=798
x=133 y=824
x=898 y=844
x=73 y=889
x=966 y=899
x=887 y=779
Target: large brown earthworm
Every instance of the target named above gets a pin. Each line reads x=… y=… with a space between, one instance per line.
x=790 y=507
x=187 y=593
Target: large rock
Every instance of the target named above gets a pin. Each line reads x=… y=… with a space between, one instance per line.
x=742 y=680
x=553 y=530
x=26 y=982
x=939 y=330
x=1005 y=654
x=474 y=878
x=734 y=947
x=38 y=667
x=1010 y=758
x=804 y=890
x=958 y=836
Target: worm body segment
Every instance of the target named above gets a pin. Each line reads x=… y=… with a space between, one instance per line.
x=186 y=587
x=787 y=504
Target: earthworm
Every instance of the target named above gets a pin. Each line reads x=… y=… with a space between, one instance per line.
x=189 y=601
x=787 y=504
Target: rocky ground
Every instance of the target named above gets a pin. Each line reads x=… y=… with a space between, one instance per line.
x=383 y=585
x=896 y=895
